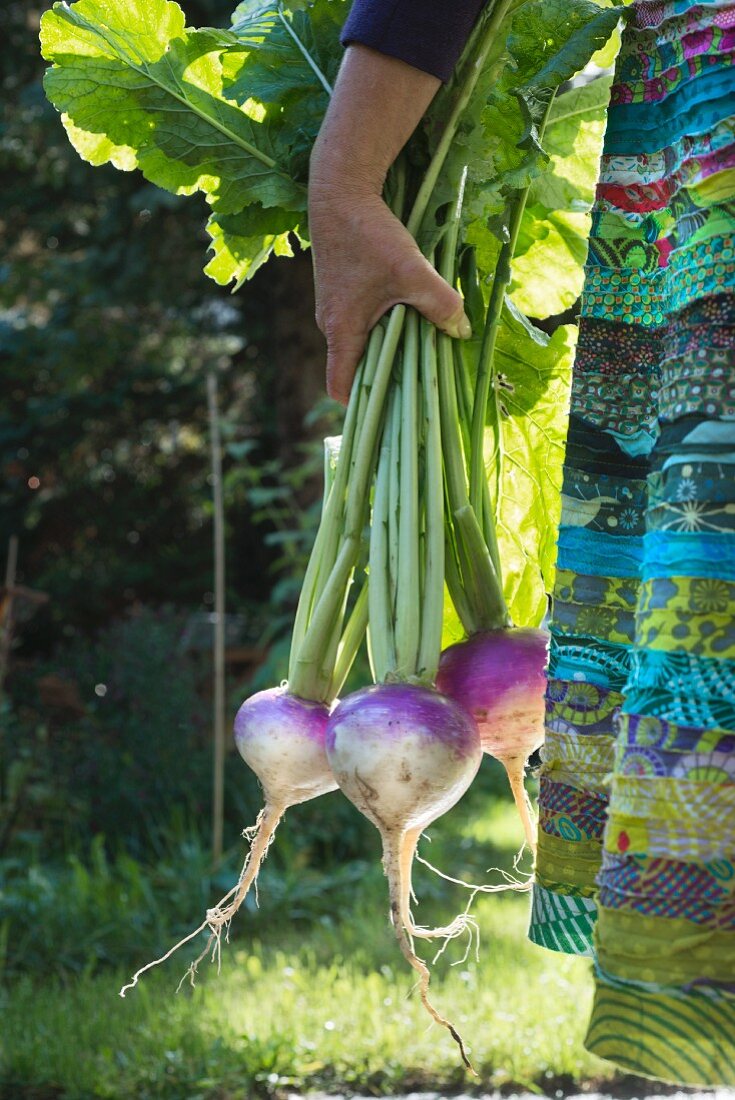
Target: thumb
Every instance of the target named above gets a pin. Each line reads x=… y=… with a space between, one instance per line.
x=439 y=303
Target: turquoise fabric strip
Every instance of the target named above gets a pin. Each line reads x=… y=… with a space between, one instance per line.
x=689 y=554
x=689 y=459
x=682 y=688
x=647 y=127
x=606 y=664
x=641 y=442
x=593 y=552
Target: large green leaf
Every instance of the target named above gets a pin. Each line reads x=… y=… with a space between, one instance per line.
x=573 y=140
x=524 y=447
x=548 y=270
x=241 y=243
x=551 y=40
x=290 y=66
x=552 y=244
x=297 y=54
x=137 y=89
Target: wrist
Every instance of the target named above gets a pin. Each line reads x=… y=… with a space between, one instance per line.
x=335 y=169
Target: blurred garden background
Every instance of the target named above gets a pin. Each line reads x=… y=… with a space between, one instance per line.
x=108 y=334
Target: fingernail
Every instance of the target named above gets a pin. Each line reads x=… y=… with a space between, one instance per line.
x=459 y=327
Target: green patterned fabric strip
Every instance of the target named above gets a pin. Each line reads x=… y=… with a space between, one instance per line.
x=666 y=950
x=561 y=922
x=575 y=864
x=686 y=1038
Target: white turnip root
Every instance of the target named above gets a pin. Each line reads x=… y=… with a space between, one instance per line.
x=403 y=754
x=498 y=677
x=282 y=738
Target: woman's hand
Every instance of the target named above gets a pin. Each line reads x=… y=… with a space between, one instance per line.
x=365 y=261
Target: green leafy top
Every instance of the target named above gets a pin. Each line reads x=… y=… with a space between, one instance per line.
x=524 y=450
x=138 y=89
x=544 y=44
x=199 y=110
x=233 y=114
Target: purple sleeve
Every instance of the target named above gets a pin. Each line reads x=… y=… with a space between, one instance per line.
x=428 y=34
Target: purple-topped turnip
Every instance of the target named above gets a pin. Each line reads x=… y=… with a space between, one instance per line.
x=400 y=751
x=404 y=755
x=282 y=738
x=498 y=676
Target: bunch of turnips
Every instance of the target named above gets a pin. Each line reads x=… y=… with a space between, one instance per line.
x=436 y=541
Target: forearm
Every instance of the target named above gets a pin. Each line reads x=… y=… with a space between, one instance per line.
x=365 y=260
x=378 y=101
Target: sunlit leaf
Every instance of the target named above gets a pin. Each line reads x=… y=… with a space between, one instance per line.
x=242 y=243
x=548 y=269
x=138 y=89
x=524 y=446
x=551 y=40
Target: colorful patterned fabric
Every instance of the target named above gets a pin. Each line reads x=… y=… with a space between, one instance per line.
x=702 y=893
x=674 y=1036
x=636 y=851
x=562 y=923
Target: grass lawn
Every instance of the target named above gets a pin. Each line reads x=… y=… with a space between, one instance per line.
x=323 y=1003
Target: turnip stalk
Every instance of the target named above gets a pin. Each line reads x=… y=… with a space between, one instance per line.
x=324 y=551
x=350 y=642
x=380 y=587
x=307 y=650
x=475 y=57
x=406 y=636
x=487 y=352
x=475 y=561
x=434 y=555
x=485 y=372
x=504 y=695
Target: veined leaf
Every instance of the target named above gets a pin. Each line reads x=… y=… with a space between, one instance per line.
x=252 y=19
x=573 y=140
x=291 y=69
x=551 y=40
x=297 y=53
x=524 y=447
x=548 y=268
x=552 y=244
x=137 y=89
x=583 y=103
x=241 y=243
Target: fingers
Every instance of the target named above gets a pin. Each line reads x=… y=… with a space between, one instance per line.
x=344 y=352
x=416 y=284
x=425 y=290
x=365 y=262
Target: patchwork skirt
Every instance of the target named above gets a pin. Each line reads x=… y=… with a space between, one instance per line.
x=636 y=854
